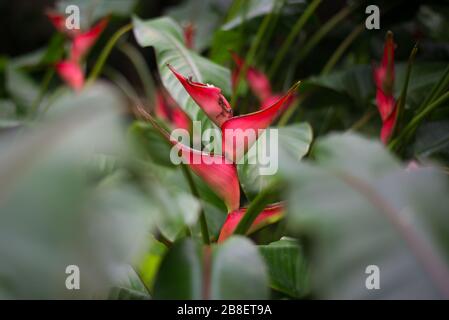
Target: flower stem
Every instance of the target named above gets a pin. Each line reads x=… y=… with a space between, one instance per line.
x=106 y=51
x=342 y=48
x=259 y=203
x=45 y=82
x=203 y=222
x=251 y=53
x=408 y=130
x=292 y=35
x=325 y=29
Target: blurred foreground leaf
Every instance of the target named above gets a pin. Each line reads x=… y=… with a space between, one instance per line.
x=53 y=213
x=362 y=208
x=234 y=270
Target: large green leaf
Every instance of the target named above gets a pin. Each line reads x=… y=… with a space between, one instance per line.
x=166 y=37
x=53 y=211
x=180 y=273
x=205 y=15
x=361 y=207
x=432 y=140
x=355 y=85
x=294 y=139
x=238 y=271
x=93 y=10
x=287 y=266
x=251 y=9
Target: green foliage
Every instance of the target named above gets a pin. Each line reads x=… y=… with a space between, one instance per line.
x=86 y=180
x=389 y=210
x=166 y=37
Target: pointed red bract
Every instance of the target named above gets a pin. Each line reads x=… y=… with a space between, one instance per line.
x=239 y=133
x=257 y=80
x=57 y=19
x=219 y=174
x=167 y=109
x=388 y=126
x=189 y=35
x=84 y=41
x=269 y=215
x=71 y=73
x=208 y=97
x=384 y=76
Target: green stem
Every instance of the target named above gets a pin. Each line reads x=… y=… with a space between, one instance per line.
x=436 y=91
x=251 y=53
x=140 y=65
x=362 y=121
x=403 y=96
x=325 y=29
x=258 y=204
x=203 y=222
x=45 y=83
x=292 y=35
x=342 y=48
x=408 y=130
x=106 y=51
x=268 y=35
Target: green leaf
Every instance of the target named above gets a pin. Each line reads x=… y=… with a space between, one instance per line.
x=180 y=273
x=251 y=9
x=54 y=213
x=151 y=262
x=205 y=16
x=294 y=139
x=287 y=267
x=166 y=37
x=90 y=11
x=356 y=84
x=360 y=207
x=151 y=143
x=238 y=271
x=130 y=288
x=432 y=140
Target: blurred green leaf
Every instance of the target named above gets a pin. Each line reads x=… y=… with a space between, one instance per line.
x=251 y=9
x=151 y=143
x=180 y=273
x=53 y=214
x=238 y=271
x=361 y=207
x=130 y=288
x=287 y=267
x=90 y=11
x=151 y=262
x=205 y=15
x=432 y=139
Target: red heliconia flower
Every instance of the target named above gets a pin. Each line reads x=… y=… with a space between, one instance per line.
x=208 y=97
x=189 y=35
x=234 y=146
x=384 y=80
x=84 y=41
x=219 y=174
x=257 y=80
x=70 y=71
x=215 y=105
x=270 y=214
x=258 y=83
x=167 y=109
x=57 y=19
